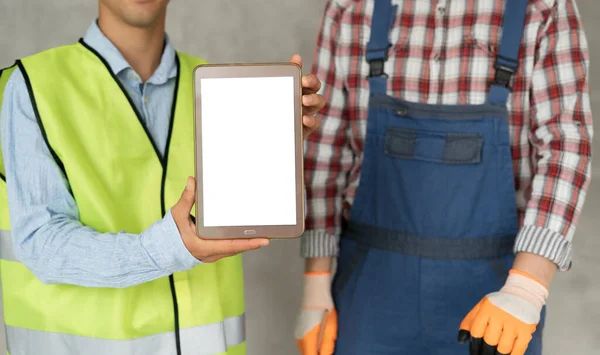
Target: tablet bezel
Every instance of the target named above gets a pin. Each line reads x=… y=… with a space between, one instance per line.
x=245 y=71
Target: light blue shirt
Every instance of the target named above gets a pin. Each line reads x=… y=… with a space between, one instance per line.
x=47 y=234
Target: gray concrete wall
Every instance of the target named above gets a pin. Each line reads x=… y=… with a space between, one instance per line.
x=234 y=30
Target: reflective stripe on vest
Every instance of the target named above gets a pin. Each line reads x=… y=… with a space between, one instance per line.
x=6 y=249
x=202 y=340
x=206 y=339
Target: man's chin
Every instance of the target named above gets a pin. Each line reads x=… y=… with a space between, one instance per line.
x=141 y=21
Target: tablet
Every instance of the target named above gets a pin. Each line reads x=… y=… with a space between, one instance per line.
x=249 y=151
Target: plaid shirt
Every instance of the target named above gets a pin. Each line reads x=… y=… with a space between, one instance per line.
x=443 y=53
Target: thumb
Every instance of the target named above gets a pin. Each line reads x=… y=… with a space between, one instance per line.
x=329 y=334
x=296 y=59
x=188 y=197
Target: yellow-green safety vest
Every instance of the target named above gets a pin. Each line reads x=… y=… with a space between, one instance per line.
x=120 y=183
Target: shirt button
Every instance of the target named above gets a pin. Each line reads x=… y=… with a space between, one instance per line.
x=442 y=10
x=436 y=57
x=145 y=99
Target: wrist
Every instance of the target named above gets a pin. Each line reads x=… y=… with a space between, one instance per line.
x=527 y=287
x=318 y=265
x=536 y=266
x=165 y=245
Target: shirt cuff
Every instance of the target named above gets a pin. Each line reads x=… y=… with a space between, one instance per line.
x=546 y=243
x=164 y=244
x=318 y=244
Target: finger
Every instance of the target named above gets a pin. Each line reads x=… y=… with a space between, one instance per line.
x=312 y=104
x=477 y=332
x=296 y=59
x=311 y=122
x=463 y=336
x=475 y=346
x=507 y=341
x=488 y=349
x=183 y=207
x=213 y=258
x=521 y=344
x=310 y=84
x=312 y=100
x=329 y=334
x=467 y=322
x=308 y=130
x=480 y=323
x=308 y=328
x=232 y=246
x=492 y=335
x=216 y=257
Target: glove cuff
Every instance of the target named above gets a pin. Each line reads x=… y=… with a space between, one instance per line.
x=317 y=273
x=527 y=287
x=317 y=291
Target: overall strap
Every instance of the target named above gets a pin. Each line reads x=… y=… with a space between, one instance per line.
x=507 y=60
x=379 y=44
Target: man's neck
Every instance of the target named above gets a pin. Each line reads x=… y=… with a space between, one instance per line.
x=141 y=47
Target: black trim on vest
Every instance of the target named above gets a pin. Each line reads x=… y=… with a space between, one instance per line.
x=176 y=314
x=39 y=119
x=162 y=198
x=2 y=177
x=163 y=161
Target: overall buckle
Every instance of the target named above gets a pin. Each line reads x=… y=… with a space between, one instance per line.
x=376 y=68
x=503 y=75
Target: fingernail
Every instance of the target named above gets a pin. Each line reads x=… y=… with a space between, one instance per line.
x=463 y=336
x=307 y=100
x=263 y=242
x=188 y=185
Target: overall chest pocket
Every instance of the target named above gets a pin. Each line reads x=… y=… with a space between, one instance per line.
x=437 y=147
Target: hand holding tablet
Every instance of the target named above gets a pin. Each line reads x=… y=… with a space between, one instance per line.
x=206 y=250
x=249 y=129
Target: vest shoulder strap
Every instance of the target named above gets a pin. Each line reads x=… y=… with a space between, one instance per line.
x=188 y=62
x=49 y=57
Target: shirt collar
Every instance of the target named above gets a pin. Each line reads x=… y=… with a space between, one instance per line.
x=167 y=68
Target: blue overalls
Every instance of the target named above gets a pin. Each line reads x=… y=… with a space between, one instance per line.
x=432 y=227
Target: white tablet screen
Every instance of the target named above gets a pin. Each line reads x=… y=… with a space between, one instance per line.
x=248 y=157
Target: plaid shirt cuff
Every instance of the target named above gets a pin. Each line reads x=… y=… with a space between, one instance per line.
x=318 y=244
x=546 y=243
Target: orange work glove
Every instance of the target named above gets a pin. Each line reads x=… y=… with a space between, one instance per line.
x=316 y=328
x=503 y=322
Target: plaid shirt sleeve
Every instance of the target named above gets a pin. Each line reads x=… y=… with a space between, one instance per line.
x=561 y=137
x=328 y=154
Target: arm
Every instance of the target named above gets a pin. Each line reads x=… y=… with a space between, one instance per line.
x=561 y=136
x=328 y=155
x=47 y=234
